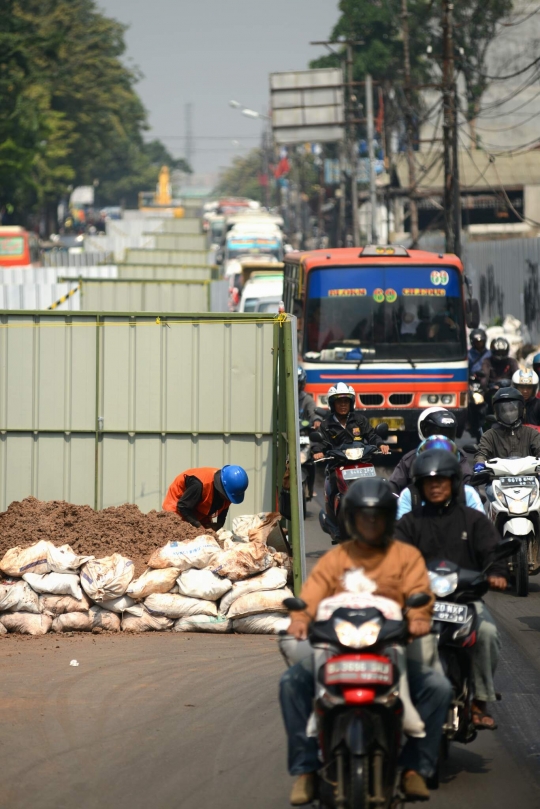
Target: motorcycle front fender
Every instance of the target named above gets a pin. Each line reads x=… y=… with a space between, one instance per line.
x=356 y=729
x=518 y=526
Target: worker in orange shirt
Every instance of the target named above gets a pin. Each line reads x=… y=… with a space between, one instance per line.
x=200 y=495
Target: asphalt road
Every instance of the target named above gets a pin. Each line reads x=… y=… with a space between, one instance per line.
x=192 y=721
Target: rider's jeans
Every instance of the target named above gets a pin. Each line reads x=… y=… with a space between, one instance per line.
x=485 y=655
x=431 y=694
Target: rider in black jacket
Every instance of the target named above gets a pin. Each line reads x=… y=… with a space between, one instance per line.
x=433 y=421
x=445 y=528
x=345 y=425
x=526 y=382
x=509 y=437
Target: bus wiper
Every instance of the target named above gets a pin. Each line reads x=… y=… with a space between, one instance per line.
x=407 y=357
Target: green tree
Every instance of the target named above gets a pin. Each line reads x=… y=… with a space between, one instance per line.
x=159 y=155
x=242 y=178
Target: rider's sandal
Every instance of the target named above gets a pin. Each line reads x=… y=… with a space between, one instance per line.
x=482 y=720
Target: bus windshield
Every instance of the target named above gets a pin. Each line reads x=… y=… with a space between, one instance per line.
x=375 y=314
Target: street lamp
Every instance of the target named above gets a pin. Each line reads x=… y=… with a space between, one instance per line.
x=254 y=115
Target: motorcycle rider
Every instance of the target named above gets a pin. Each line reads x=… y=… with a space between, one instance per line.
x=432 y=421
x=445 y=528
x=411 y=497
x=478 y=351
x=399 y=571
x=526 y=382
x=499 y=365
x=536 y=368
x=344 y=424
x=508 y=437
x=306 y=402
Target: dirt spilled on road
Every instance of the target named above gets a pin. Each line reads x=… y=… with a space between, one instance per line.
x=121 y=529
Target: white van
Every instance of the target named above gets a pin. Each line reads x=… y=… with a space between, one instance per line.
x=263 y=293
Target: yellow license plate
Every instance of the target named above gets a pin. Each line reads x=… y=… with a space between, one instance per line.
x=396 y=423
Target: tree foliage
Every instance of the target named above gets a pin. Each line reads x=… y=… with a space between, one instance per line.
x=241 y=179
x=69 y=112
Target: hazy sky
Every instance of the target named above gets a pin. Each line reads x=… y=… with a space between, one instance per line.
x=210 y=51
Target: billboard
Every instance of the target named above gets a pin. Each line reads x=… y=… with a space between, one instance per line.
x=307 y=105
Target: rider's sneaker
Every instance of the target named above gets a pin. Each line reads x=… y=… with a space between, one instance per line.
x=414 y=786
x=303 y=790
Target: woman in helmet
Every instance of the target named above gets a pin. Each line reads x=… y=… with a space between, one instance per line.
x=344 y=424
x=438 y=529
x=478 y=351
x=499 y=365
x=526 y=382
x=508 y=437
x=411 y=497
x=432 y=421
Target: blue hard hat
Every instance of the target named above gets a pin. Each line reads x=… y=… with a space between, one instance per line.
x=536 y=360
x=235 y=481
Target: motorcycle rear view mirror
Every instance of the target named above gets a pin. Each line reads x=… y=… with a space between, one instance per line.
x=382 y=430
x=490 y=419
x=316 y=437
x=470 y=449
x=418 y=600
x=294 y=604
x=321 y=411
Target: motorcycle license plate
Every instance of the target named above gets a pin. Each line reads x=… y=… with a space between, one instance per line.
x=355 y=671
x=395 y=423
x=304 y=440
x=360 y=472
x=516 y=482
x=453 y=613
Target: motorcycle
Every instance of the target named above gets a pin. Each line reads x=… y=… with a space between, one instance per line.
x=343 y=466
x=358 y=713
x=514 y=508
x=307 y=463
x=455 y=622
x=477 y=410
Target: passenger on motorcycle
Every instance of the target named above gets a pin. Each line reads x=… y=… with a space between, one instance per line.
x=306 y=402
x=526 y=382
x=509 y=437
x=411 y=497
x=478 y=351
x=398 y=571
x=344 y=424
x=445 y=528
x=536 y=368
x=432 y=421
x=499 y=365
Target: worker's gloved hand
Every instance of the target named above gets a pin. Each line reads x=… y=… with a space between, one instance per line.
x=479 y=467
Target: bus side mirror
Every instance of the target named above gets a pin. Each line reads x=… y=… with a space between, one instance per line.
x=472 y=313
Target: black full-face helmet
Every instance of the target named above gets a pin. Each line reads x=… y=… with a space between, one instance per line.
x=508 y=406
x=370 y=496
x=499 y=348
x=437 y=463
x=477 y=337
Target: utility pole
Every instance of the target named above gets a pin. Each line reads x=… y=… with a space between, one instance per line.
x=452 y=206
x=353 y=146
x=413 y=207
x=370 y=138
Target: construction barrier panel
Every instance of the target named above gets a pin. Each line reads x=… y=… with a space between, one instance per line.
x=104 y=409
x=175 y=241
x=134 y=295
x=142 y=272
x=191 y=258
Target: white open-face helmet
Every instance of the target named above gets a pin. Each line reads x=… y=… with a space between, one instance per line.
x=338 y=391
x=425 y=415
x=528 y=378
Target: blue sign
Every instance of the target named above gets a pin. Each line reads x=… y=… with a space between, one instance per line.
x=385 y=283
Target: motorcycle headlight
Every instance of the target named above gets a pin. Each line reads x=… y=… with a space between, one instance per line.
x=533 y=495
x=500 y=496
x=443 y=585
x=355 y=453
x=478 y=399
x=356 y=637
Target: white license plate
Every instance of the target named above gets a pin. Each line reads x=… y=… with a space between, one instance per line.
x=358 y=671
x=516 y=482
x=453 y=613
x=360 y=472
x=304 y=440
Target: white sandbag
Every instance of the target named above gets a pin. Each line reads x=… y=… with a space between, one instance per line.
x=266 y=623
x=43 y=557
x=26 y=623
x=203 y=623
x=59 y=605
x=196 y=552
x=261 y=601
x=177 y=606
x=152 y=581
x=145 y=623
x=72 y=622
x=247 y=559
x=107 y=578
x=272 y=579
x=241 y=526
x=202 y=584
x=18 y=596
x=66 y=584
x=104 y=619
x=3 y=630
x=123 y=604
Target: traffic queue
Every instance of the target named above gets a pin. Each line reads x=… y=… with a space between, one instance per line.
x=391 y=650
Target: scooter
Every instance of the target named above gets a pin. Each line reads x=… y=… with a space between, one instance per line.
x=358 y=713
x=455 y=622
x=343 y=466
x=514 y=508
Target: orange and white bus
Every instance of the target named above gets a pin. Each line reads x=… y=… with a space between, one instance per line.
x=18 y=248
x=389 y=321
